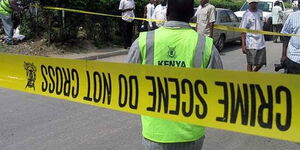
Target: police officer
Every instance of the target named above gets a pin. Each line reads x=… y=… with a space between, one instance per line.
x=7 y=7
x=176 y=41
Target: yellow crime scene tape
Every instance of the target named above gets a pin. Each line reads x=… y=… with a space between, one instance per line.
x=253 y=103
x=216 y=26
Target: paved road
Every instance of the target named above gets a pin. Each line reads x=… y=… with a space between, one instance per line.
x=30 y=122
x=232 y=57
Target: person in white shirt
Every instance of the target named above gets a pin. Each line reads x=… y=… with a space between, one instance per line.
x=148 y=12
x=205 y=18
x=253 y=45
x=277 y=19
x=160 y=13
x=127 y=8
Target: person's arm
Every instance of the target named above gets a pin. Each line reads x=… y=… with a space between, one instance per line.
x=121 y=5
x=211 y=29
x=196 y=16
x=244 y=48
x=154 y=17
x=284 y=48
x=243 y=25
x=129 y=9
x=215 y=62
x=132 y=8
x=122 y=9
x=145 y=12
x=14 y=5
x=145 y=15
x=287 y=29
x=212 y=20
x=134 y=55
x=196 y=13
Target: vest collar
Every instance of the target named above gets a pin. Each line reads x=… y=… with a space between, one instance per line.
x=177 y=24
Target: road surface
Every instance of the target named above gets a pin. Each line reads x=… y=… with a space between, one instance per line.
x=30 y=122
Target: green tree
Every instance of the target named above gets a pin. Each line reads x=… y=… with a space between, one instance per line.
x=99 y=29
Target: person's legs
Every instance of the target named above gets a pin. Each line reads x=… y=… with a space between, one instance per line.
x=280 y=26
x=129 y=28
x=124 y=33
x=276 y=28
x=260 y=59
x=292 y=67
x=250 y=59
x=257 y=68
x=149 y=145
x=275 y=37
x=195 y=145
x=8 y=28
x=249 y=68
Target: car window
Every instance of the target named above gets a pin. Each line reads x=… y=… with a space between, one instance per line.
x=223 y=17
x=232 y=16
x=264 y=6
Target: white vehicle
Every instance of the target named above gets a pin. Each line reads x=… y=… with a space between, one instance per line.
x=295 y=3
x=266 y=6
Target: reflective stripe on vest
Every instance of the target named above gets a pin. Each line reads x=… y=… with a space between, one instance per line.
x=5 y=7
x=207 y=52
x=146 y=42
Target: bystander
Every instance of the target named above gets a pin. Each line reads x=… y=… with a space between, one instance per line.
x=205 y=18
x=277 y=19
x=160 y=13
x=148 y=12
x=291 y=45
x=127 y=8
x=253 y=45
x=7 y=8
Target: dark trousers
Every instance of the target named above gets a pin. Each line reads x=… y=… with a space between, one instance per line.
x=292 y=67
x=127 y=29
x=277 y=28
x=194 y=145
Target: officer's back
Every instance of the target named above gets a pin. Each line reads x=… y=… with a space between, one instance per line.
x=175 y=44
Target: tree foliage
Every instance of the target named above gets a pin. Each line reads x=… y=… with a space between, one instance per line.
x=234 y=5
x=99 y=29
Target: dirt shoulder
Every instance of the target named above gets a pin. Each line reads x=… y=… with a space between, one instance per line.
x=39 y=47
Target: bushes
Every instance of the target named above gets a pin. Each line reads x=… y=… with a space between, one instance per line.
x=228 y=4
x=288 y=5
x=99 y=29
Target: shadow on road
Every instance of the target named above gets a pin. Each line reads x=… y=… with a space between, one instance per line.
x=231 y=46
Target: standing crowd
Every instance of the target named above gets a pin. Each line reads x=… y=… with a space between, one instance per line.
x=156 y=10
x=173 y=39
x=253 y=45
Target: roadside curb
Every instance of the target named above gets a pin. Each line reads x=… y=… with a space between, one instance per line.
x=105 y=55
x=93 y=56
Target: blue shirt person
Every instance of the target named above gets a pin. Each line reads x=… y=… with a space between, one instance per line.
x=291 y=45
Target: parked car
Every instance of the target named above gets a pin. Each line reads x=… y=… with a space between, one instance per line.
x=228 y=18
x=266 y=6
